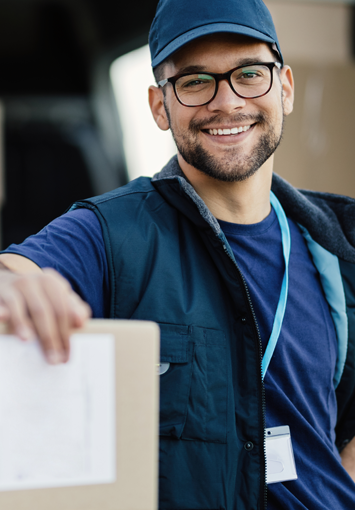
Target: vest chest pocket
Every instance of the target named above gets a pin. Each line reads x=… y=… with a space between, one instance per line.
x=193 y=390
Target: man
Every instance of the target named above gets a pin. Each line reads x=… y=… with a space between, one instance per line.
x=255 y=335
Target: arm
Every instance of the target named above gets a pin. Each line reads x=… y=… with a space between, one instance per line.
x=41 y=304
x=348 y=458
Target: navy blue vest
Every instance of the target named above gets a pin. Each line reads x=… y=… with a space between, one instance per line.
x=211 y=419
x=168 y=264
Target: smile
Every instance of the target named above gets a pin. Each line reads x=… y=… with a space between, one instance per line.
x=233 y=131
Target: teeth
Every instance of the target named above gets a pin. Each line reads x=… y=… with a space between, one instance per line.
x=232 y=131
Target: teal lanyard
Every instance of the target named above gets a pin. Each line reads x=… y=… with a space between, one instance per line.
x=281 y=307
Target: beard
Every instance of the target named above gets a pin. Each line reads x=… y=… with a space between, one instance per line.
x=234 y=165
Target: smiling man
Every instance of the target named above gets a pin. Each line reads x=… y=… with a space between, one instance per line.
x=253 y=289
x=240 y=134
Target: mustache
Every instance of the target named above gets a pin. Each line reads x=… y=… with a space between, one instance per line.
x=218 y=120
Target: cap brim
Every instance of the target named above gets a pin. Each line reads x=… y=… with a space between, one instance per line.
x=212 y=28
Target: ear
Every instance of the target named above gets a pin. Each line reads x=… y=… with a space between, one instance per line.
x=288 y=89
x=156 y=103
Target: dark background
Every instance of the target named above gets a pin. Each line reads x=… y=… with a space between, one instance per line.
x=61 y=133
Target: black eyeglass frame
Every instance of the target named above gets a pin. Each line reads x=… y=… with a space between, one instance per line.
x=222 y=76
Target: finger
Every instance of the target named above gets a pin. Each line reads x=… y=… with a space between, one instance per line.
x=4 y=313
x=80 y=311
x=14 y=307
x=43 y=318
x=71 y=310
x=58 y=296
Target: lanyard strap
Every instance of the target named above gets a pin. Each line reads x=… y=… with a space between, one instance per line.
x=281 y=307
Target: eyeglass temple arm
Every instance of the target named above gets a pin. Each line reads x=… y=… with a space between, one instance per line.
x=162 y=82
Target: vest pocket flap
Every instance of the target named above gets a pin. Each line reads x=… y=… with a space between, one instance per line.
x=193 y=390
x=176 y=381
x=174 y=343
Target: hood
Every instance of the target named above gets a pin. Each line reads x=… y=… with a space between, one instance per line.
x=329 y=218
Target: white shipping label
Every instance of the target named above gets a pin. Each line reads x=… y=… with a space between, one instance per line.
x=57 y=423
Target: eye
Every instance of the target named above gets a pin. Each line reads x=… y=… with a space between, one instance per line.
x=249 y=74
x=195 y=82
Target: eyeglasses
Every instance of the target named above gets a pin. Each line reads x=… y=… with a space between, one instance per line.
x=197 y=89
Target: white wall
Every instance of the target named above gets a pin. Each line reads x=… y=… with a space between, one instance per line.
x=147 y=148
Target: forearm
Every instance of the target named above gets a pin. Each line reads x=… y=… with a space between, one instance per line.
x=348 y=458
x=18 y=264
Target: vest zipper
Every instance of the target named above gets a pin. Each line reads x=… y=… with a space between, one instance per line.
x=263 y=403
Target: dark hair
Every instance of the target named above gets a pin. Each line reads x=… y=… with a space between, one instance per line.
x=159 y=71
x=276 y=55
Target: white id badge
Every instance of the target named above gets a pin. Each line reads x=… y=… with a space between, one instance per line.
x=280 y=462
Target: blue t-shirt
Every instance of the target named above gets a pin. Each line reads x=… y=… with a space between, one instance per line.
x=299 y=381
x=73 y=245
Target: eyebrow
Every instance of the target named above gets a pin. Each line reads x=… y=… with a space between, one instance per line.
x=192 y=69
x=199 y=69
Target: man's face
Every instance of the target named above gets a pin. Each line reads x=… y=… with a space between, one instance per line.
x=226 y=157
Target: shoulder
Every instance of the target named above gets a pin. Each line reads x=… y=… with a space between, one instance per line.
x=75 y=218
x=71 y=233
x=329 y=218
x=140 y=186
x=304 y=198
x=78 y=228
x=138 y=203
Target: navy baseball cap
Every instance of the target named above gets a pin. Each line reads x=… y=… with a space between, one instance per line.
x=178 y=22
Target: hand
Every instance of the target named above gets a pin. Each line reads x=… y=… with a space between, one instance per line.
x=42 y=305
x=348 y=458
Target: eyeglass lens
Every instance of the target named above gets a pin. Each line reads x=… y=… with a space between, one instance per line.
x=249 y=81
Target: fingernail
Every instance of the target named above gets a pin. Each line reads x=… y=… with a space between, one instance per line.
x=54 y=357
x=65 y=357
x=25 y=333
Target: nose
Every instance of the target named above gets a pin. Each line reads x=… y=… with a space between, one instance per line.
x=226 y=99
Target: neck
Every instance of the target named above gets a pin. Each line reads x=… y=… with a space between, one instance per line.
x=243 y=202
